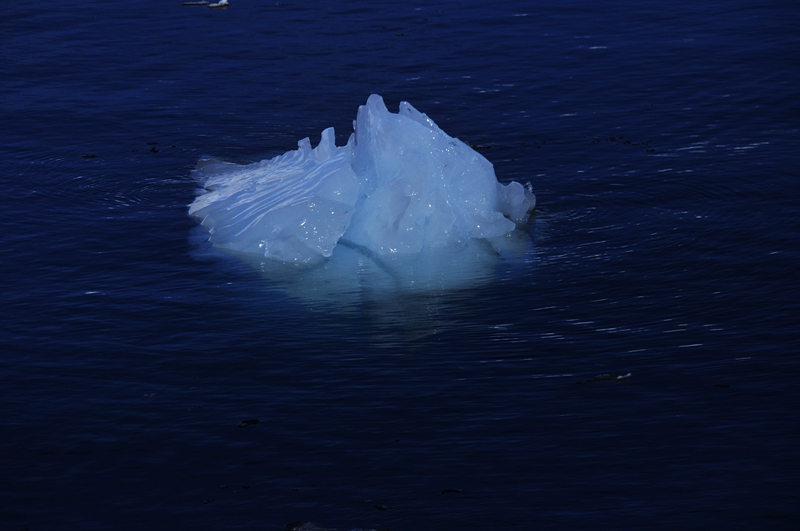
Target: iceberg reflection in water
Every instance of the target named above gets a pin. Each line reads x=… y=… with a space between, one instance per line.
x=402 y=206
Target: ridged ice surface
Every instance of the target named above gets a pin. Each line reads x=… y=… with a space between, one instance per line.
x=400 y=186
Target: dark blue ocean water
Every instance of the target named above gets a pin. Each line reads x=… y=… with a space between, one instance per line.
x=661 y=140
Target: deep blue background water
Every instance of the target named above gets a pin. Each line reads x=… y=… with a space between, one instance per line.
x=662 y=142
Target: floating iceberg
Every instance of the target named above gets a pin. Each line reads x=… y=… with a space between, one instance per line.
x=400 y=188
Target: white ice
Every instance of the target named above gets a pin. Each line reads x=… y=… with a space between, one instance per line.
x=400 y=187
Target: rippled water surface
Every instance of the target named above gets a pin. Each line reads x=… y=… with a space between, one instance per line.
x=662 y=143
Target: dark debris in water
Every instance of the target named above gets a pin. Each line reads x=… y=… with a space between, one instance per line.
x=452 y=491
x=620 y=140
x=248 y=422
x=602 y=377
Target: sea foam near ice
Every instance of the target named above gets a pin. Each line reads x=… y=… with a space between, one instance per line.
x=399 y=187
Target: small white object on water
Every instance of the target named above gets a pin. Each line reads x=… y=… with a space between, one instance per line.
x=220 y=4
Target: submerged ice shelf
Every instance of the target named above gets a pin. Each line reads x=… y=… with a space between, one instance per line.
x=400 y=188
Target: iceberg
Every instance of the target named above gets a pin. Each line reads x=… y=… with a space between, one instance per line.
x=400 y=189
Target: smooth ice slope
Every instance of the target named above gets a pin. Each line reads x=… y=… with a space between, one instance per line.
x=293 y=208
x=401 y=186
